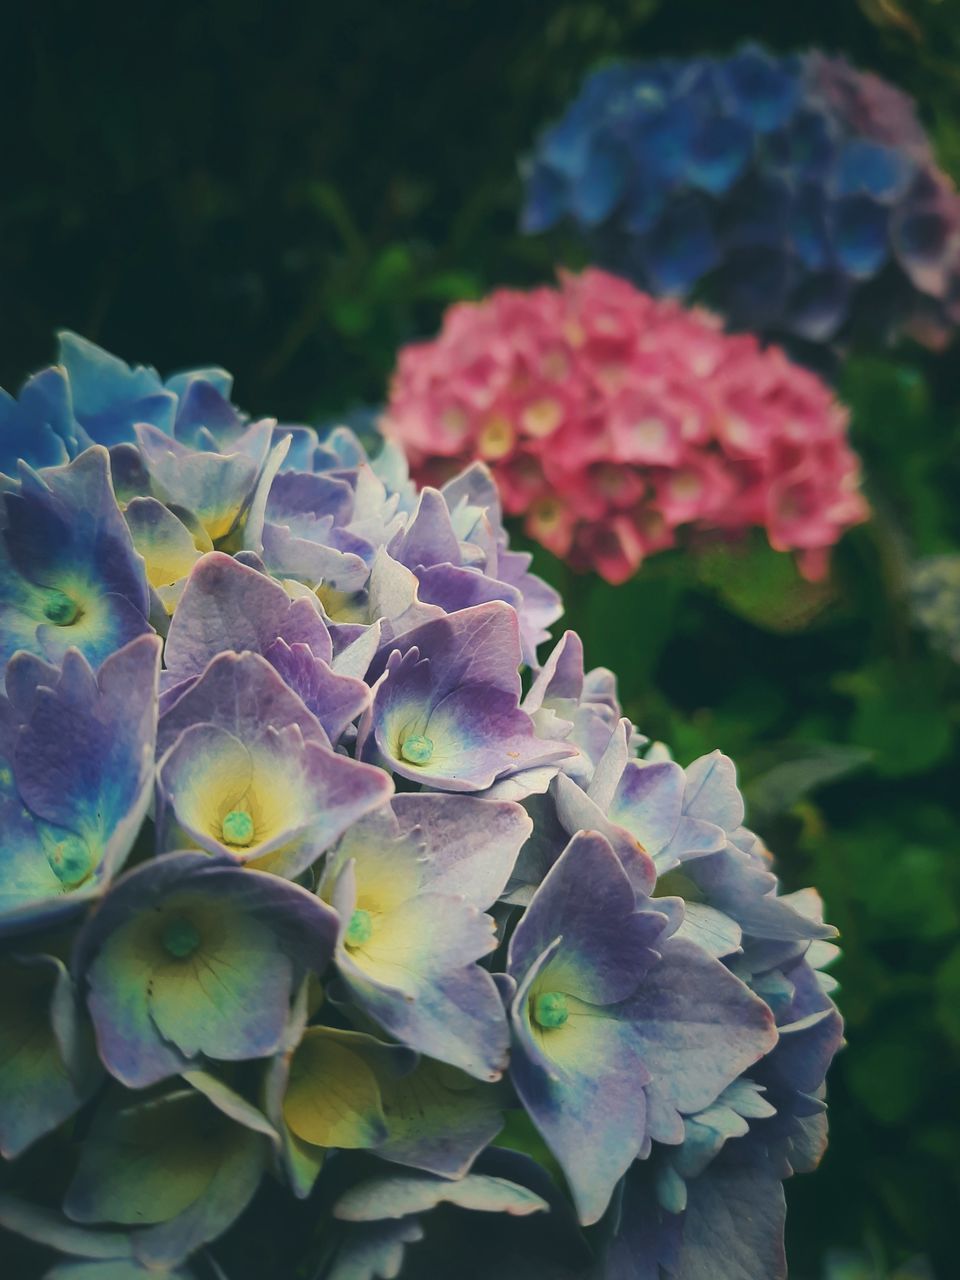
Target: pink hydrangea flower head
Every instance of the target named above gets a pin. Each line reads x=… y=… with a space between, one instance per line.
x=614 y=422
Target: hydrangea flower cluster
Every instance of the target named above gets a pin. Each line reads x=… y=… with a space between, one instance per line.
x=612 y=419
x=933 y=585
x=297 y=879
x=801 y=192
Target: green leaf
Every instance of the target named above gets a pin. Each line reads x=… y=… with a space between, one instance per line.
x=906 y=891
x=520 y=1134
x=900 y=716
x=452 y=286
x=393 y=268
x=351 y=316
x=889 y=1076
x=947 y=988
x=625 y=628
x=762 y=585
x=794 y=770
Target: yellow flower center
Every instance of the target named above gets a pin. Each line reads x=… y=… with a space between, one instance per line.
x=237 y=827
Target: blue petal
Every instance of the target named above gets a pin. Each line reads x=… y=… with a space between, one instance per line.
x=861 y=235
x=808 y=227
x=38 y=427
x=871 y=169
x=662 y=145
x=805 y=147
x=762 y=90
x=546 y=199
x=682 y=248
x=601 y=184
x=719 y=154
x=758 y=213
x=109 y=396
x=818 y=306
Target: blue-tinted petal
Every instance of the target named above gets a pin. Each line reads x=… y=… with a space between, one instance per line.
x=38 y=426
x=761 y=89
x=681 y=248
x=869 y=168
x=861 y=235
x=808 y=227
x=719 y=154
x=545 y=199
x=600 y=186
x=109 y=397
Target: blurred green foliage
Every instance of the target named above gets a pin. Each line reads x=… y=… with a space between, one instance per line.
x=295 y=190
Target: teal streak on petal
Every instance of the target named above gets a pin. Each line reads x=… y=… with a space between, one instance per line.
x=180 y=937
x=550 y=1009
x=359 y=929
x=416 y=749
x=237 y=827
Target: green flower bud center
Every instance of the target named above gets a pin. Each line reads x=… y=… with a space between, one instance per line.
x=60 y=609
x=550 y=1009
x=180 y=937
x=360 y=928
x=416 y=749
x=237 y=827
x=70 y=860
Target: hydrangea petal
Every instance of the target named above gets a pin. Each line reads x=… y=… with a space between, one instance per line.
x=227 y=606
x=438 y=1119
x=76 y=779
x=149 y=954
x=399 y=1197
x=48 y=1067
x=108 y=396
x=374 y=1250
x=69 y=575
x=347 y=1111
x=697 y=1028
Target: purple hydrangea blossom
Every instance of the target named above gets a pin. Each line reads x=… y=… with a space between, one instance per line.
x=248 y=772
x=192 y=957
x=446 y=708
x=410 y=884
x=380 y=903
x=619 y=1029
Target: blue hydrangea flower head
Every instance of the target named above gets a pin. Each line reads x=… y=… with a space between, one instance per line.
x=796 y=194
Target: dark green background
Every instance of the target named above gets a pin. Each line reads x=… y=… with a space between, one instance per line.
x=294 y=190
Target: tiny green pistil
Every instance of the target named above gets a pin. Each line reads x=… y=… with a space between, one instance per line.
x=180 y=937
x=416 y=749
x=359 y=929
x=550 y=1009
x=237 y=827
x=70 y=860
x=60 y=609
